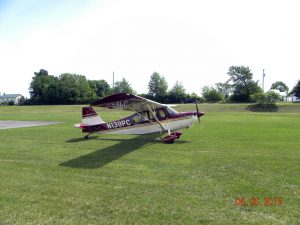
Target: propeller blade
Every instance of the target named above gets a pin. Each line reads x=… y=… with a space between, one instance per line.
x=197 y=108
x=198 y=115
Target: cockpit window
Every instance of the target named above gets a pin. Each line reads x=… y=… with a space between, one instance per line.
x=145 y=116
x=171 y=111
x=137 y=118
x=140 y=117
x=160 y=114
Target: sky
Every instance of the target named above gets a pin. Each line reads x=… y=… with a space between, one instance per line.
x=193 y=42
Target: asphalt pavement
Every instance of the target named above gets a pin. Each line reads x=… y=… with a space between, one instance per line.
x=17 y=124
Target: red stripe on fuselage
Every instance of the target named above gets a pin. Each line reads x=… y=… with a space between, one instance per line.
x=182 y=114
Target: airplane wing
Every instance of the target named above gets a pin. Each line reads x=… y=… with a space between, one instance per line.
x=130 y=102
x=127 y=102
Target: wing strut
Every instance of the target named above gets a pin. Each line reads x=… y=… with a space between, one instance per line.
x=154 y=116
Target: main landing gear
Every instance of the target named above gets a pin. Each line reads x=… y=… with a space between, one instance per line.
x=87 y=136
x=170 y=138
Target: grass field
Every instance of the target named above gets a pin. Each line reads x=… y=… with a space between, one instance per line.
x=50 y=175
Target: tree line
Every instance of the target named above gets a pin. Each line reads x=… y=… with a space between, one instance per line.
x=70 y=88
x=76 y=89
x=240 y=87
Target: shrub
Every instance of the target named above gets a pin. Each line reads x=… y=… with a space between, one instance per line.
x=267 y=98
x=11 y=103
x=211 y=94
x=265 y=101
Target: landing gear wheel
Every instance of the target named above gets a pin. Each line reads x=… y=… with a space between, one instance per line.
x=87 y=136
x=169 y=139
x=177 y=134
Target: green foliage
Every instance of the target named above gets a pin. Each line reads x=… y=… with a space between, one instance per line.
x=267 y=98
x=177 y=93
x=225 y=89
x=22 y=100
x=242 y=84
x=123 y=86
x=296 y=90
x=42 y=72
x=280 y=86
x=73 y=89
x=210 y=94
x=259 y=98
x=265 y=101
x=157 y=87
x=273 y=97
x=100 y=88
x=40 y=87
x=66 y=89
x=192 y=98
x=11 y=103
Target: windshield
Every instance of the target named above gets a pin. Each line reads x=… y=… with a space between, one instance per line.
x=171 y=111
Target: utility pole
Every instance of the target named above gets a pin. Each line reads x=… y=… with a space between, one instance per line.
x=113 y=87
x=263 y=81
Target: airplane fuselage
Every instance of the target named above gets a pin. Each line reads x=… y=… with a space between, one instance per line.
x=144 y=123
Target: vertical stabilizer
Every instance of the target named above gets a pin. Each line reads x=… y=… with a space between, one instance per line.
x=90 y=117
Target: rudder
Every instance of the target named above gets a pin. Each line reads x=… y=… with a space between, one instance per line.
x=90 y=117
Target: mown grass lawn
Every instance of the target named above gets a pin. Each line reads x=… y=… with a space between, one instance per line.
x=50 y=175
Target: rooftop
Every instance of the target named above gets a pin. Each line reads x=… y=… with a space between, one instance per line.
x=10 y=95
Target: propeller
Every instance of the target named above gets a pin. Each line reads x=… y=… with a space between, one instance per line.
x=199 y=114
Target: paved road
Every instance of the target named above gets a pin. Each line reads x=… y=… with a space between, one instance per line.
x=16 y=124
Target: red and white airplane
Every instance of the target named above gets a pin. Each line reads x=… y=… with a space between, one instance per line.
x=149 y=117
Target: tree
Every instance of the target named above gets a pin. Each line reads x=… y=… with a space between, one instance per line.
x=73 y=88
x=158 y=87
x=123 y=86
x=65 y=89
x=296 y=90
x=100 y=88
x=280 y=86
x=42 y=72
x=224 y=88
x=22 y=100
x=211 y=94
x=51 y=92
x=242 y=84
x=177 y=93
x=195 y=97
x=39 y=86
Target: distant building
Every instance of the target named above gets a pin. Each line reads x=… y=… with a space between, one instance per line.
x=292 y=98
x=287 y=98
x=282 y=94
x=6 y=98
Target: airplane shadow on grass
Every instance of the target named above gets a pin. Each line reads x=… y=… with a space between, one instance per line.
x=101 y=157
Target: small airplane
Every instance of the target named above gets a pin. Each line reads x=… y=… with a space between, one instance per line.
x=149 y=117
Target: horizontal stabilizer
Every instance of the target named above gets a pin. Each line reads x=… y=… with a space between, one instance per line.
x=78 y=125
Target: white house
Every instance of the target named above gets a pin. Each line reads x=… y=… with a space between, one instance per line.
x=287 y=98
x=292 y=98
x=6 y=98
x=282 y=94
